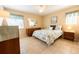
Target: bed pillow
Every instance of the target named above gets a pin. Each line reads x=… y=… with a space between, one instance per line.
x=58 y=27
x=50 y=28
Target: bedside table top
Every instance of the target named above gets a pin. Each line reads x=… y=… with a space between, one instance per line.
x=70 y=31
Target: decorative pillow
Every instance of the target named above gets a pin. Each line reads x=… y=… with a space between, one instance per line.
x=50 y=28
x=58 y=27
x=53 y=26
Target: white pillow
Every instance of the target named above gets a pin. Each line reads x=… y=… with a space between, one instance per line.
x=58 y=27
x=50 y=28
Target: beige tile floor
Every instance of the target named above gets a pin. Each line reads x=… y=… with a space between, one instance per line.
x=31 y=45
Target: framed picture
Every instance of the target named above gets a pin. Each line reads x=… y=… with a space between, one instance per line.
x=54 y=20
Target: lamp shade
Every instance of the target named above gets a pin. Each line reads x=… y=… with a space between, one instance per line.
x=4 y=13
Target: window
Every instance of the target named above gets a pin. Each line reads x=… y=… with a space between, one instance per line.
x=71 y=18
x=15 y=20
x=1 y=20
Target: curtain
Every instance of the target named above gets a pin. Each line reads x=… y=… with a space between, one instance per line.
x=1 y=21
x=16 y=20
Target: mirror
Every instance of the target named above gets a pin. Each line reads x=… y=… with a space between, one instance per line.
x=32 y=22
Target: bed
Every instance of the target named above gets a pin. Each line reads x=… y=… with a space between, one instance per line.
x=48 y=35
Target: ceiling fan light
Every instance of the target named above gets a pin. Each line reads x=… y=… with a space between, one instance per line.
x=40 y=10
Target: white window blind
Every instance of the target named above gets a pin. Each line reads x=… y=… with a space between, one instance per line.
x=71 y=18
x=15 y=20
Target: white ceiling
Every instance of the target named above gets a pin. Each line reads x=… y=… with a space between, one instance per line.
x=35 y=8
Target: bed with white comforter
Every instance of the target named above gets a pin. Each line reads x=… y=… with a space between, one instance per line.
x=47 y=35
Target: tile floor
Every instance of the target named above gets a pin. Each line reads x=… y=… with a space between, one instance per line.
x=31 y=45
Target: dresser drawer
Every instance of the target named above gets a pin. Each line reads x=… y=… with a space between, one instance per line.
x=68 y=34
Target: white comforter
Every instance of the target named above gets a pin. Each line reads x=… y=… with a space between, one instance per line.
x=47 y=35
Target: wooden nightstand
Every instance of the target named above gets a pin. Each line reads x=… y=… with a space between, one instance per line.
x=69 y=35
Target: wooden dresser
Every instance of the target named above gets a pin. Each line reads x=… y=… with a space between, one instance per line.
x=9 y=40
x=29 y=31
x=11 y=46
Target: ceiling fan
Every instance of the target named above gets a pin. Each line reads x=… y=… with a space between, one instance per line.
x=41 y=8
